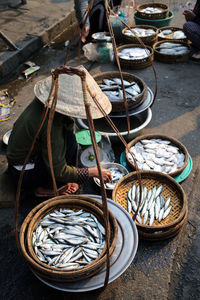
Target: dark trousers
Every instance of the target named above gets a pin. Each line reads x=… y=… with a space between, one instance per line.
x=98 y=22
x=39 y=176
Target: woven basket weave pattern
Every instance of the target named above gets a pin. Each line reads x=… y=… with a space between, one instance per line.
x=162 y=15
x=170 y=189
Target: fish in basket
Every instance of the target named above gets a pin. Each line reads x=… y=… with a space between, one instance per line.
x=158 y=153
x=153 y=11
x=159 y=201
x=135 y=56
x=170 y=33
x=63 y=238
x=171 y=51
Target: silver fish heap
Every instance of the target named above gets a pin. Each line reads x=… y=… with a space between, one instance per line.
x=134 y=53
x=178 y=34
x=68 y=239
x=170 y=48
x=116 y=175
x=153 y=207
x=113 y=89
x=140 y=32
x=157 y=155
x=151 y=10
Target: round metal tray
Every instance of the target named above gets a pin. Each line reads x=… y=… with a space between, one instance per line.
x=147 y=103
x=122 y=257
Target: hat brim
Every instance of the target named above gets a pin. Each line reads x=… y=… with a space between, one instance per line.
x=70 y=99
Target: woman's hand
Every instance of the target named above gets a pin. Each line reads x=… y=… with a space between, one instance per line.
x=189 y=15
x=84 y=33
x=106 y=174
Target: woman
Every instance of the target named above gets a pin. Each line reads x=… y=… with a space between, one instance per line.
x=70 y=104
x=192 y=28
x=96 y=22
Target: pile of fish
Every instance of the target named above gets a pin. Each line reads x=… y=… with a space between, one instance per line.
x=153 y=206
x=157 y=155
x=116 y=176
x=168 y=33
x=141 y=32
x=68 y=239
x=151 y=10
x=134 y=53
x=172 y=48
x=113 y=89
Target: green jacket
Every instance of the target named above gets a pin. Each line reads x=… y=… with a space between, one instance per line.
x=23 y=133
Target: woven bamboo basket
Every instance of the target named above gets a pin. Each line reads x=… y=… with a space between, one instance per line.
x=137 y=63
x=170 y=189
x=165 y=234
x=174 y=142
x=166 y=58
x=74 y=202
x=147 y=40
x=153 y=16
x=170 y=36
x=118 y=106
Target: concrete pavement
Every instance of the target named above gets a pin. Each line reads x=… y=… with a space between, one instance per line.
x=32 y=26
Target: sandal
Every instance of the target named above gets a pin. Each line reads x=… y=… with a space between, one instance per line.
x=69 y=188
x=196 y=55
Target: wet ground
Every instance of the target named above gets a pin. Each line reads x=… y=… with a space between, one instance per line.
x=162 y=270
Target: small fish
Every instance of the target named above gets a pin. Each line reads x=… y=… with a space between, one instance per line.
x=167 y=212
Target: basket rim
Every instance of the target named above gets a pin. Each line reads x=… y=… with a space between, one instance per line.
x=164 y=235
x=141 y=26
x=161 y=136
x=34 y=264
x=170 y=180
x=139 y=98
x=138 y=61
x=171 y=41
x=153 y=4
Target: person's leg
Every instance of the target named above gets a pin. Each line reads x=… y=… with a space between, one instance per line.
x=192 y=32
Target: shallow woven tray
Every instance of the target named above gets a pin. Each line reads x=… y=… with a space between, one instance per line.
x=170 y=189
x=118 y=106
x=74 y=202
x=162 y=15
x=168 y=36
x=165 y=234
x=173 y=141
x=147 y=40
x=166 y=58
x=137 y=63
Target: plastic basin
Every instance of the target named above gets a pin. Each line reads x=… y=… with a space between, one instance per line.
x=157 y=23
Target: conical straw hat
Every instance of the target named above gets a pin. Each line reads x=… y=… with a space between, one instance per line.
x=70 y=100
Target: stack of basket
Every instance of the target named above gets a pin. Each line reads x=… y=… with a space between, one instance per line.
x=75 y=203
x=174 y=222
x=145 y=16
x=177 y=217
